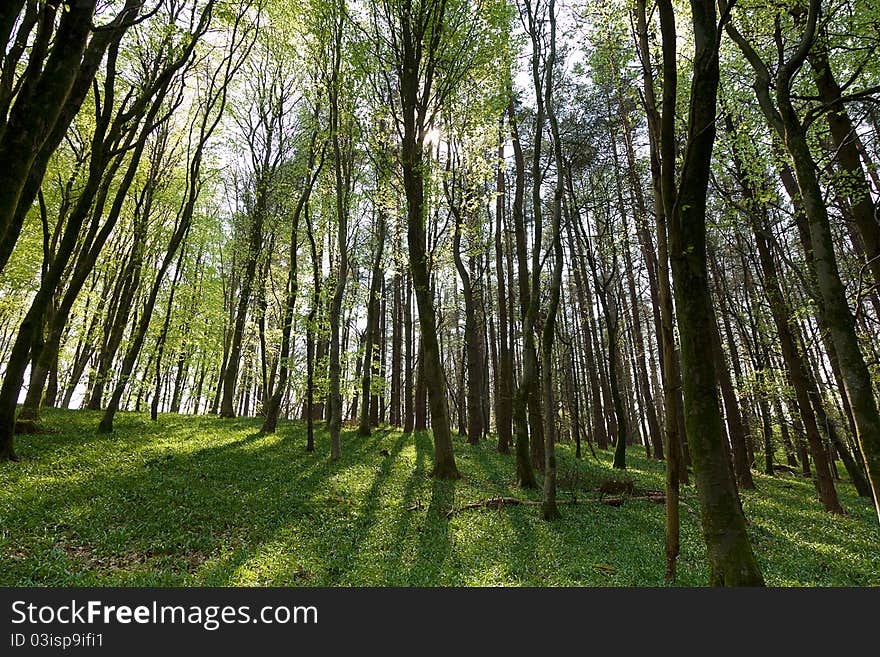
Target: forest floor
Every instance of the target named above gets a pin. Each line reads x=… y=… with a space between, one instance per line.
x=199 y=501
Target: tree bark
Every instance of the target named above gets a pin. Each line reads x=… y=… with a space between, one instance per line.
x=731 y=560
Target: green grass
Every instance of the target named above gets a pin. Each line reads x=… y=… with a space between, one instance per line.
x=207 y=502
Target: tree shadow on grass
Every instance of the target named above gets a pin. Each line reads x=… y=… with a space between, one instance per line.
x=435 y=542
x=502 y=480
x=407 y=509
x=231 y=507
x=250 y=438
x=336 y=568
x=310 y=506
x=202 y=514
x=520 y=519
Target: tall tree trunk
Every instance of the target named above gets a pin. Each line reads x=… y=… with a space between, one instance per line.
x=273 y=406
x=30 y=331
x=663 y=186
x=372 y=325
x=310 y=334
x=504 y=371
x=396 y=412
x=134 y=348
x=473 y=356
x=163 y=337
x=414 y=165
x=731 y=560
x=342 y=164
x=844 y=137
x=549 y=509
x=735 y=430
x=599 y=432
x=524 y=472
x=254 y=246
x=408 y=374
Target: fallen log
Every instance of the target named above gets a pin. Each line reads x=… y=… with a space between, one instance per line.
x=500 y=502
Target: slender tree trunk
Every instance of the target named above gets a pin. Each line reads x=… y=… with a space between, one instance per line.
x=844 y=138
x=735 y=429
x=504 y=371
x=372 y=326
x=38 y=107
x=549 y=508
x=473 y=356
x=163 y=337
x=640 y=368
x=408 y=376
x=134 y=348
x=794 y=360
x=396 y=412
x=524 y=471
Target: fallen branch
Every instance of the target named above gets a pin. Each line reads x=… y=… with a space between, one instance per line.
x=617 y=500
x=500 y=502
x=496 y=503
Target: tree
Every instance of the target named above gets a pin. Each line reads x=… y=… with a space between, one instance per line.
x=109 y=134
x=774 y=95
x=42 y=91
x=427 y=47
x=266 y=128
x=341 y=139
x=731 y=560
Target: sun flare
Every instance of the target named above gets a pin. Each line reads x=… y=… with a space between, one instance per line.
x=432 y=137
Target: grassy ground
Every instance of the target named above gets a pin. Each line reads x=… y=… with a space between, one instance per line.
x=210 y=502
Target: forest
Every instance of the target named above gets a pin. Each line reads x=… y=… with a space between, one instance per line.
x=440 y=292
